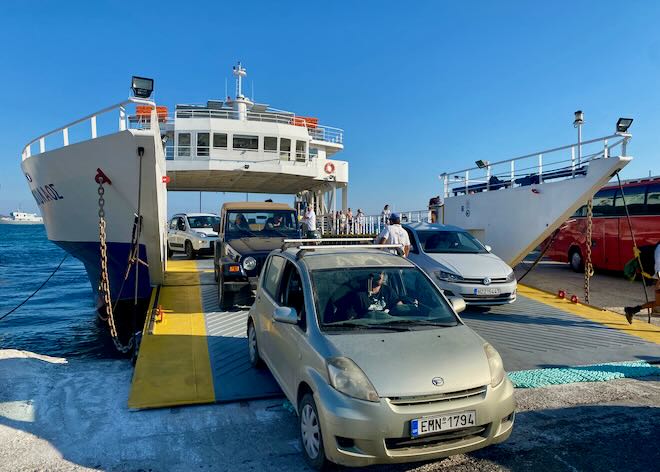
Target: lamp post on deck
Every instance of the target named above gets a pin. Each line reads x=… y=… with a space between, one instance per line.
x=577 y=123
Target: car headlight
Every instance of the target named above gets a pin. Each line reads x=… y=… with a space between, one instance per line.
x=200 y=234
x=511 y=277
x=447 y=276
x=346 y=377
x=249 y=263
x=495 y=364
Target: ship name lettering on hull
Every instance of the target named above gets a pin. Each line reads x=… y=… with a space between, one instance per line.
x=45 y=194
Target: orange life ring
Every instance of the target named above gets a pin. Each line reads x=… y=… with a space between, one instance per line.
x=329 y=168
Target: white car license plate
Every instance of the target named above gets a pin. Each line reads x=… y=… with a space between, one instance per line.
x=437 y=424
x=487 y=291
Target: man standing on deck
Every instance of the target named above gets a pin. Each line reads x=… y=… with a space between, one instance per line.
x=309 y=222
x=652 y=305
x=395 y=234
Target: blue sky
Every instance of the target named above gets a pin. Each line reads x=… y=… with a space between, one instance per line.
x=418 y=87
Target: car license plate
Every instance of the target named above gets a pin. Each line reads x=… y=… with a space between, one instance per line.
x=487 y=291
x=437 y=424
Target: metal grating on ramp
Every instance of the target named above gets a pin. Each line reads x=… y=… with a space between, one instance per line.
x=233 y=376
x=531 y=335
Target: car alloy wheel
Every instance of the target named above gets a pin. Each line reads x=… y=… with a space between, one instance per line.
x=190 y=253
x=255 y=359
x=310 y=433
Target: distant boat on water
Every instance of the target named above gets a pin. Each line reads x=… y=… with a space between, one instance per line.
x=21 y=218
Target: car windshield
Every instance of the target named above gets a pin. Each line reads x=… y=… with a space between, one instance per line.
x=261 y=223
x=378 y=298
x=449 y=242
x=204 y=221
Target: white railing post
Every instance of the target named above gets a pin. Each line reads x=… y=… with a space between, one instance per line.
x=467 y=181
x=540 y=168
x=572 y=161
x=487 y=178
x=65 y=136
x=42 y=145
x=605 y=151
x=513 y=172
x=122 y=119
x=93 y=120
x=446 y=186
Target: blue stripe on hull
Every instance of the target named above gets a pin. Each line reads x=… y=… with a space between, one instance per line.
x=89 y=253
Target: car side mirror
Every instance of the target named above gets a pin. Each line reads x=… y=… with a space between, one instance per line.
x=488 y=248
x=216 y=228
x=285 y=314
x=457 y=303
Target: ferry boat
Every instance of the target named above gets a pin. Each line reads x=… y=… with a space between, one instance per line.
x=123 y=174
x=21 y=218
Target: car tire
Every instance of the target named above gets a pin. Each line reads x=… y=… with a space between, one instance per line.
x=169 y=252
x=225 y=298
x=190 y=252
x=575 y=260
x=253 y=347
x=311 y=437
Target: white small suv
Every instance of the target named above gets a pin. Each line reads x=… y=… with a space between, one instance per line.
x=192 y=234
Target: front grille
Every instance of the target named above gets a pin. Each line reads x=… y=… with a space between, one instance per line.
x=500 y=280
x=441 y=439
x=439 y=397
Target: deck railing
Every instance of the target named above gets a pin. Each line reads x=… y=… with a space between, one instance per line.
x=317 y=132
x=366 y=224
x=91 y=120
x=205 y=153
x=559 y=163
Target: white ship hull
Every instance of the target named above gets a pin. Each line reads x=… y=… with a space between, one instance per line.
x=9 y=221
x=514 y=221
x=63 y=184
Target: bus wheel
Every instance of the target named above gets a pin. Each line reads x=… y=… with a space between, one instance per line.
x=575 y=260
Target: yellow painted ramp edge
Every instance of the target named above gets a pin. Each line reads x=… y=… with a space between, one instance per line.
x=646 y=331
x=173 y=366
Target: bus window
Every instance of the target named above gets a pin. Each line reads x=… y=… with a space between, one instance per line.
x=604 y=203
x=634 y=200
x=653 y=200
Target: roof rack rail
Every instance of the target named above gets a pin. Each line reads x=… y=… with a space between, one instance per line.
x=290 y=242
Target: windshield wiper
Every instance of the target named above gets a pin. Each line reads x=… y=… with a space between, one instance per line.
x=420 y=323
x=365 y=326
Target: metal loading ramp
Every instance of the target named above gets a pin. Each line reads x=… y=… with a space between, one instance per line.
x=540 y=331
x=194 y=354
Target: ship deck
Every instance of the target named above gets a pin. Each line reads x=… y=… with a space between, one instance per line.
x=198 y=354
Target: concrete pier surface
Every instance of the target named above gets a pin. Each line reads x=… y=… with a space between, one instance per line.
x=73 y=416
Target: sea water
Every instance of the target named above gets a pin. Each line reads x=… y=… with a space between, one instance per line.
x=60 y=320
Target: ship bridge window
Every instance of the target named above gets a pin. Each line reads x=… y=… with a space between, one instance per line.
x=219 y=140
x=183 y=144
x=285 y=149
x=301 y=150
x=202 y=144
x=242 y=141
x=270 y=144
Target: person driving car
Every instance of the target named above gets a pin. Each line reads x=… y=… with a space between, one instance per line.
x=374 y=295
x=241 y=223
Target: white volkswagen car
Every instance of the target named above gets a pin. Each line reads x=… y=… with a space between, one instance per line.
x=460 y=265
x=192 y=234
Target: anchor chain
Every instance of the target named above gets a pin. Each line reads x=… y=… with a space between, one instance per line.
x=588 y=266
x=104 y=283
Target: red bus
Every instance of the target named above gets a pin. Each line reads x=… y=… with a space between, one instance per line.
x=611 y=241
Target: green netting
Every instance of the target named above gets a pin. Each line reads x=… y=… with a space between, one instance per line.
x=586 y=373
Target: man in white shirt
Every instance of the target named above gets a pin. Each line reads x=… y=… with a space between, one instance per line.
x=395 y=234
x=309 y=222
x=653 y=305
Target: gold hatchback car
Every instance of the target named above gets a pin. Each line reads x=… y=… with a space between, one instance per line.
x=375 y=359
